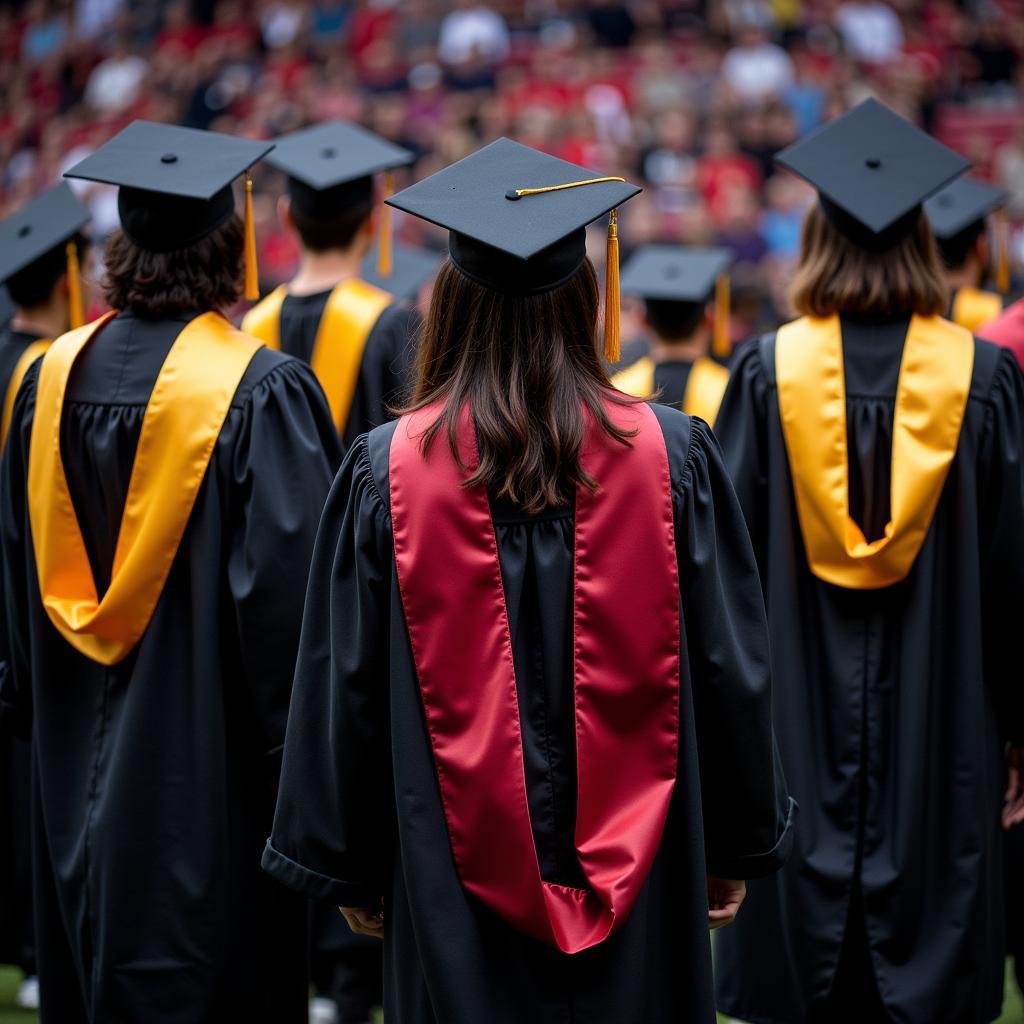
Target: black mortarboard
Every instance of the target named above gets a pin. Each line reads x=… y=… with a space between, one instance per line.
x=674 y=273
x=962 y=205
x=330 y=166
x=175 y=185
x=411 y=269
x=517 y=219
x=175 y=182
x=39 y=227
x=873 y=170
x=673 y=279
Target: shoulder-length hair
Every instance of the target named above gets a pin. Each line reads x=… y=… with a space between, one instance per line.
x=528 y=367
x=835 y=275
x=205 y=276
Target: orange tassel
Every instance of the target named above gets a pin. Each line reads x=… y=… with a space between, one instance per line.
x=76 y=307
x=385 y=264
x=721 y=344
x=252 y=276
x=1003 y=276
x=612 y=340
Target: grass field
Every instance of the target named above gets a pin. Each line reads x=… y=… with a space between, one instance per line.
x=1013 y=1009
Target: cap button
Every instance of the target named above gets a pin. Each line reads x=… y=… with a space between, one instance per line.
x=671 y=271
x=513 y=195
x=329 y=153
x=25 y=229
x=873 y=162
x=169 y=158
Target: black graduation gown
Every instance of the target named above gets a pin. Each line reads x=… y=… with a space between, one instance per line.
x=891 y=706
x=359 y=813
x=385 y=367
x=670 y=380
x=16 y=945
x=153 y=780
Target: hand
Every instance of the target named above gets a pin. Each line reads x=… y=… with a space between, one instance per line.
x=724 y=898
x=1013 y=808
x=365 y=920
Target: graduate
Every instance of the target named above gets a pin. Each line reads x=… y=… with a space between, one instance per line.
x=876 y=452
x=40 y=249
x=959 y=218
x=675 y=284
x=357 y=338
x=163 y=479
x=525 y=767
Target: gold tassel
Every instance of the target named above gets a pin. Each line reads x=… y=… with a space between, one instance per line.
x=252 y=276
x=385 y=264
x=76 y=307
x=612 y=341
x=1002 y=252
x=721 y=344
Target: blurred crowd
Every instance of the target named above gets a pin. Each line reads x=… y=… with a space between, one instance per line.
x=690 y=99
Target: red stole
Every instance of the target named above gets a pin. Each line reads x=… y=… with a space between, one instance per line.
x=626 y=672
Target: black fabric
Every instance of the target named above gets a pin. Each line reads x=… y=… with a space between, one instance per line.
x=385 y=371
x=670 y=380
x=17 y=944
x=505 y=272
x=154 y=779
x=892 y=707
x=359 y=799
x=332 y=201
x=163 y=223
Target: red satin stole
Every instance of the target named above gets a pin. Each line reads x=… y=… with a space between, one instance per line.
x=626 y=628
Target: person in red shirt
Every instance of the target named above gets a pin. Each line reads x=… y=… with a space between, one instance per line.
x=1008 y=330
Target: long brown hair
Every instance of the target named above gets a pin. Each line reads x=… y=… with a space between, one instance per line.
x=527 y=366
x=834 y=275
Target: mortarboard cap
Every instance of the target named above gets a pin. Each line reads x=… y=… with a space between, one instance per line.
x=873 y=170
x=411 y=269
x=674 y=273
x=39 y=227
x=320 y=161
x=668 y=276
x=517 y=220
x=962 y=205
x=175 y=184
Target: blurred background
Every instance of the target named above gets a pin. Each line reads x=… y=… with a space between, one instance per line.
x=690 y=99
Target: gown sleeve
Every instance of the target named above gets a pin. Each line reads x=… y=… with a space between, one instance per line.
x=332 y=826
x=15 y=540
x=282 y=466
x=1001 y=507
x=748 y=815
x=740 y=429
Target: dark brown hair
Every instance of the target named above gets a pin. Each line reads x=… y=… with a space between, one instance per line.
x=835 y=275
x=321 y=233
x=527 y=366
x=206 y=275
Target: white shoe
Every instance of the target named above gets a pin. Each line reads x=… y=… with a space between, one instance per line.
x=28 y=995
x=322 y=1011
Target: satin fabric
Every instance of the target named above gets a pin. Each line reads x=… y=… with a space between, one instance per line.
x=25 y=360
x=892 y=707
x=972 y=308
x=360 y=815
x=626 y=681
x=351 y=312
x=705 y=384
x=183 y=419
x=935 y=377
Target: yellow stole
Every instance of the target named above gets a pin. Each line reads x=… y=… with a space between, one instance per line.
x=705 y=386
x=934 y=382
x=32 y=352
x=349 y=316
x=182 y=422
x=972 y=308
